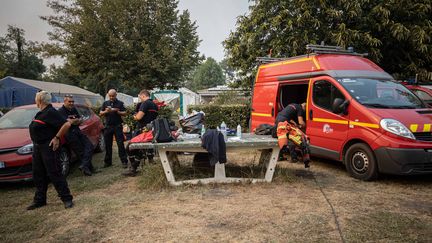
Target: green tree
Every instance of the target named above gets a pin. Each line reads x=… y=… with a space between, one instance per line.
x=18 y=57
x=133 y=44
x=396 y=34
x=228 y=71
x=208 y=74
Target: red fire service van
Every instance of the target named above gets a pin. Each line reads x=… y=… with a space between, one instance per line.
x=355 y=112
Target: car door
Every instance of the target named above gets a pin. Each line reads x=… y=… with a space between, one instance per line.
x=88 y=126
x=327 y=131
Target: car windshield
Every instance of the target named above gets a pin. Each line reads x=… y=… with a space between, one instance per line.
x=18 y=118
x=384 y=94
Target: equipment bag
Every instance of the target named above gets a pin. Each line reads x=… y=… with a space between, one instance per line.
x=264 y=129
x=192 y=124
x=161 y=131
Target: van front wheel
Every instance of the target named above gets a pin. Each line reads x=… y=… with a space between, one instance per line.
x=360 y=162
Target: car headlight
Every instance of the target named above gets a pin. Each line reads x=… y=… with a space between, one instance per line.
x=26 y=149
x=396 y=127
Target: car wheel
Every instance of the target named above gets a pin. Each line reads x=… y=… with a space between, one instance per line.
x=100 y=147
x=65 y=160
x=360 y=162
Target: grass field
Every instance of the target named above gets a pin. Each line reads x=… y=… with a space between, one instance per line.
x=323 y=204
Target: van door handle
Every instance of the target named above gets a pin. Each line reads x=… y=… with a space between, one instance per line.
x=310 y=115
x=272 y=111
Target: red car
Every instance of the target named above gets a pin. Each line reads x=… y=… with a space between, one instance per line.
x=16 y=147
x=424 y=92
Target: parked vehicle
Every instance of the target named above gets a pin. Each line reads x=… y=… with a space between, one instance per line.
x=16 y=147
x=355 y=112
x=424 y=92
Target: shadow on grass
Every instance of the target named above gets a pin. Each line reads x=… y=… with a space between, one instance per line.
x=388 y=227
x=339 y=167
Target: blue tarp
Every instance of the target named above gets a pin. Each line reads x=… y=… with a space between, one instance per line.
x=13 y=93
x=17 y=92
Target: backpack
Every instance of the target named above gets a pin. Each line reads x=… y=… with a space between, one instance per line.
x=161 y=131
x=264 y=129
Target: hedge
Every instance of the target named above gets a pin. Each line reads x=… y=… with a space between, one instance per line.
x=232 y=115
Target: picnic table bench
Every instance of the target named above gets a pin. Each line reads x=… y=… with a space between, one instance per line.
x=168 y=155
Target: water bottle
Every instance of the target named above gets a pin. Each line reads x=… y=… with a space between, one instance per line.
x=202 y=130
x=239 y=135
x=224 y=131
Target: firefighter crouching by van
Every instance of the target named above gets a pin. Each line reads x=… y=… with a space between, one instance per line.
x=288 y=125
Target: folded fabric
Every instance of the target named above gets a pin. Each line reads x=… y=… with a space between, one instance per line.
x=143 y=137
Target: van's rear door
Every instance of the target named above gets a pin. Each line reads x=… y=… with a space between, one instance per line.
x=327 y=131
x=263 y=104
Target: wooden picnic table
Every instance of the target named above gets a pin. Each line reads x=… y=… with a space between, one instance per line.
x=167 y=151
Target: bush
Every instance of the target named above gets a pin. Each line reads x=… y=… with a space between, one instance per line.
x=232 y=115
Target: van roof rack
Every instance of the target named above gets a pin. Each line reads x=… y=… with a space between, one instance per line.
x=314 y=49
x=265 y=60
x=323 y=49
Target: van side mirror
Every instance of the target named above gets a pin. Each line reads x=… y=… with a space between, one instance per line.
x=340 y=106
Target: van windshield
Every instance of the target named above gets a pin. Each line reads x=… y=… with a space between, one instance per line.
x=384 y=94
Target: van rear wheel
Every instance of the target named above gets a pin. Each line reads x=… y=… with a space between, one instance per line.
x=360 y=162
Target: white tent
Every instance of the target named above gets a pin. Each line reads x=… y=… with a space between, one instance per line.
x=125 y=98
x=178 y=99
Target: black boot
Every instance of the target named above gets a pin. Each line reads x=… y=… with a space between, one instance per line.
x=131 y=172
x=133 y=167
x=35 y=205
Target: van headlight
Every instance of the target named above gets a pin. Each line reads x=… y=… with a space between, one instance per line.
x=26 y=149
x=396 y=127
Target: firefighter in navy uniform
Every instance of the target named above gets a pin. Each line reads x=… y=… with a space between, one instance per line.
x=147 y=112
x=113 y=110
x=46 y=130
x=77 y=141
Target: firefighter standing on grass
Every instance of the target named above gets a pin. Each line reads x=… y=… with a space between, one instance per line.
x=46 y=129
x=113 y=110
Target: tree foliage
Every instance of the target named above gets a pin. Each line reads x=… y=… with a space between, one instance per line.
x=17 y=56
x=396 y=33
x=207 y=75
x=228 y=71
x=131 y=44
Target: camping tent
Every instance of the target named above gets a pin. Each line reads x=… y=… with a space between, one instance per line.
x=18 y=91
x=179 y=99
x=125 y=98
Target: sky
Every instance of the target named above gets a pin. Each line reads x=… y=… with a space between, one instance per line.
x=214 y=18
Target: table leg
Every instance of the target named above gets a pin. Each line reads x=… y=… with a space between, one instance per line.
x=220 y=172
x=166 y=166
x=271 y=165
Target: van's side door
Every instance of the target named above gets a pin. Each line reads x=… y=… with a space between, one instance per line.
x=327 y=131
x=264 y=104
